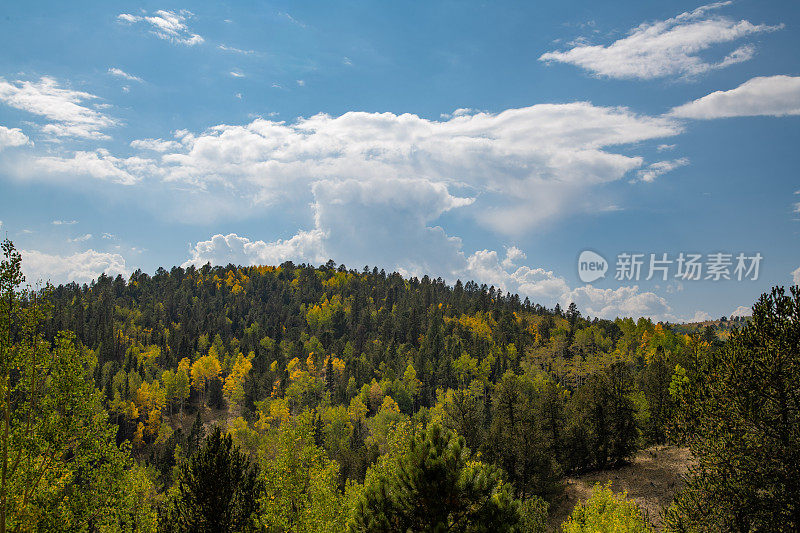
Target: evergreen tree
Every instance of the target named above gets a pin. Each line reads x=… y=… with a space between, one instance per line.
x=438 y=488
x=196 y=433
x=518 y=442
x=217 y=490
x=743 y=426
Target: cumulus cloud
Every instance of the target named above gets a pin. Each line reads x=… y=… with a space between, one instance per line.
x=11 y=137
x=352 y=219
x=669 y=47
x=545 y=287
x=524 y=165
x=660 y=168
x=796 y=276
x=305 y=247
x=156 y=145
x=775 y=96
x=742 y=311
x=119 y=73
x=99 y=164
x=81 y=267
x=65 y=107
x=168 y=25
x=392 y=215
x=64 y=222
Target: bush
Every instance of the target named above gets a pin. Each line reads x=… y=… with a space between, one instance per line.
x=606 y=512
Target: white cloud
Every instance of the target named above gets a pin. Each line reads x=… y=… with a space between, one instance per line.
x=796 y=276
x=391 y=215
x=64 y=222
x=670 y=47
x=11 y=137
x=98 y=164
x=155 y=145
x=699 y=316
x=775 y=96
x=525 y=165
x=513 y=255
x=236 y=74
x=418 y=250
x=168 y=25
x=81 y=238
x=292 y=19
x=665 y=147
x=224 y=249
x=301 y=83
x=63 y=106
x=235 y=50
x=545 y=287
x=660 y=168
x=81 y=267
x=742 y=311
x=119 y=73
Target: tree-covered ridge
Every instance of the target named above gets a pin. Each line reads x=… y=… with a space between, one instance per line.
x=322 y=399
x=342 y=359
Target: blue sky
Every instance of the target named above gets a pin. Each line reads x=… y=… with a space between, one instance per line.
x=487 y=141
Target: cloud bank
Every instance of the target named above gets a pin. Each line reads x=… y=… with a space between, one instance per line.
x=81 y=267
x=521 y=165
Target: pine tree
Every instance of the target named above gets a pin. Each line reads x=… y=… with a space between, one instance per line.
x=742 y=423
x=196 y=433
x=217 y=490
x=438 y=488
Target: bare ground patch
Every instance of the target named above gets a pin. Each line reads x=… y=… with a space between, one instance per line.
x=652 y=479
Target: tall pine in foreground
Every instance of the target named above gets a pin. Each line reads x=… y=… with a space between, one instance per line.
x=742 y=412
x=438 y=488
x=217 y=490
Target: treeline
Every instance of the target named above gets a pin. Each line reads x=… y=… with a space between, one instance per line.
x=547 y=384
x=345 y=399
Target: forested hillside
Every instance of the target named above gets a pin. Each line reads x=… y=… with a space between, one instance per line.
x=338 y=397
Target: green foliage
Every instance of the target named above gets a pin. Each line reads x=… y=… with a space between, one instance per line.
x=741 y=418
x=344 y=366
x=301 y=491
x=61 y=469
x=603 y=425
x=217 y=490
x=521 y=444
x=606 y=512
x=533 y=515
x=438 y=488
